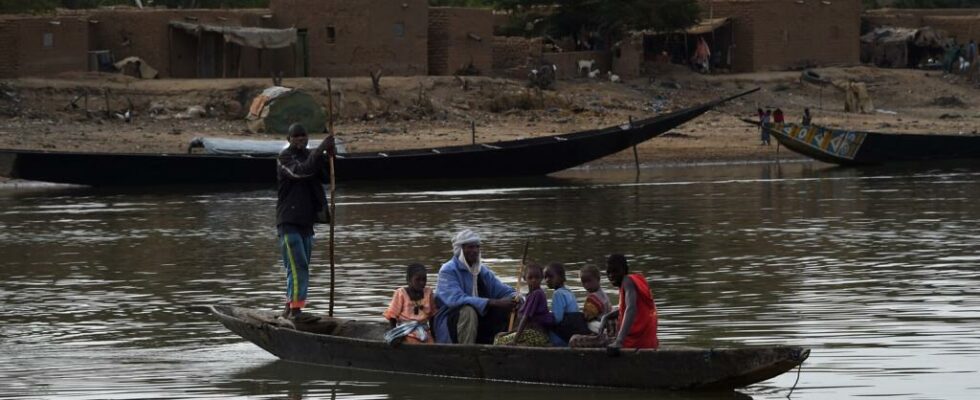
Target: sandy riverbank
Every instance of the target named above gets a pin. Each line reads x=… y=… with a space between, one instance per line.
x=435 y=111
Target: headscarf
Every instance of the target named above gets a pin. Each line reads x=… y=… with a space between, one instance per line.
x=467 y=236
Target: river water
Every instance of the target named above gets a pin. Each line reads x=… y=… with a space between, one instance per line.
x=877 y=270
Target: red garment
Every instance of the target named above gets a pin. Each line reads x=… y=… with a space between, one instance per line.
x=643 y=333
x=777 y=117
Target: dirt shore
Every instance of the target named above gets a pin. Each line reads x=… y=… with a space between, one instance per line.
x=434 y=111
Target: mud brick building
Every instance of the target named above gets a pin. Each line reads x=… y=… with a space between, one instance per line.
x=42 y=45
x=460 y=38
x=351 y=38
x=962 y=24
x=787 y=34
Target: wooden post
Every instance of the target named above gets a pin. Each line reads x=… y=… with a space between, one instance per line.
x=107 y=112
x=636 y=156
x=333 y=185
x=473 y=131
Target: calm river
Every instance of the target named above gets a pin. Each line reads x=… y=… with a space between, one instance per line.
x=877 y=270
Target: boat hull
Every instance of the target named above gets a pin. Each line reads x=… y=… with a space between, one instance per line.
x=525 y=157
x=687 y=368
x=865 y=148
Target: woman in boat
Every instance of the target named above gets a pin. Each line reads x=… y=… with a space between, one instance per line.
x=568 y=319
x=807 y=118
x=637 y=326
x=535 y=320
x=474 y=305
x=411 y=308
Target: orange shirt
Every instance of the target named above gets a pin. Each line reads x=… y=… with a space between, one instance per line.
x=643 y=333
x=403 y=309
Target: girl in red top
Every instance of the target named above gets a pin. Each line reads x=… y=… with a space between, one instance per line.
x=637 y=311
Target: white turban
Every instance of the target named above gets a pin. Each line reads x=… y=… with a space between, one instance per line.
x=467 y=236
x=464 y=236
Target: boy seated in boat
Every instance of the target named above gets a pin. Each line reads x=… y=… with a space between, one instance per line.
x=636 y=326
x=597 y=303
x=411 y=308
x=568 y=319
x=535 y=320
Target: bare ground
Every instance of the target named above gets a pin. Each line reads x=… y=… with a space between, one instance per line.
x=429 y=111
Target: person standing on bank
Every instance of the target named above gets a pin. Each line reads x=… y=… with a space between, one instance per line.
x=474 y=305
x=301 y=203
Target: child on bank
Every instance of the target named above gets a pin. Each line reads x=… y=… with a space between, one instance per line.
x=597 y=303
x=535 y=320
x=411 y=309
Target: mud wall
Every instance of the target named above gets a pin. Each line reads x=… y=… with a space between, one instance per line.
x=787 y=34
x=459 y=37
x=351 y=38
x=43 y=46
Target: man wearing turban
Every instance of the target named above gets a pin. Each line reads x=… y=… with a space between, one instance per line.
x=473 y=304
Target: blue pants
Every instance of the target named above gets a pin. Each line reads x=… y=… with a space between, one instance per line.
x=296 y=252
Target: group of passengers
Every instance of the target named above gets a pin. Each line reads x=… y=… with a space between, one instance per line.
x=470 y=305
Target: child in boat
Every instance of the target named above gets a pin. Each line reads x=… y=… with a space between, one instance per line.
x=597 y=303
x=568 y=319
x=411 y=309
x=535 y=320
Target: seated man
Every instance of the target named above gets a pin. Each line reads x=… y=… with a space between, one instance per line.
x=473 y=304
x=637 y=326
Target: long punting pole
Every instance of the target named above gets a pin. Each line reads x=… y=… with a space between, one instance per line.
x=333 y=185
x=520 y=273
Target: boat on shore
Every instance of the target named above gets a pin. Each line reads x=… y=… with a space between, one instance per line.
x=845 y=147
x=523 y=157
x=359 y=344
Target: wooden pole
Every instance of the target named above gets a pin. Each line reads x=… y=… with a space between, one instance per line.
x=333 y=185
x=473 y=131
x=520 y=274
x=636 y=156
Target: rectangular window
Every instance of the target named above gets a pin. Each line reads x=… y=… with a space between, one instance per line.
x=48 y=40
x=399 y=29
x=331 y=35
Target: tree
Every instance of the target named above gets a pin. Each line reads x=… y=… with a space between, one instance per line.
x=610 y=19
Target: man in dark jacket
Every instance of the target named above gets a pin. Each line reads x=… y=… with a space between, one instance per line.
x=301 y=203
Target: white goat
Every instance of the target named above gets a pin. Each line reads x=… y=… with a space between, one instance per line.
x=593 y=74
x=586 y=65
x=612 y=77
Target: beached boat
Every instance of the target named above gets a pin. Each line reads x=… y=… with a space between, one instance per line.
x=359 y=344
x=846 y=147
x=524 y=157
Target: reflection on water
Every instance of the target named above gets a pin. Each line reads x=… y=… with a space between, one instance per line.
x=875 y=269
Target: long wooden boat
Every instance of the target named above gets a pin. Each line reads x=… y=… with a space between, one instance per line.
x=359 y=344
x=524 y=157
x=847 y=147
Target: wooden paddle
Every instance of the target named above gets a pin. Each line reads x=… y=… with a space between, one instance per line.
x=520 y=274
x=333 y=185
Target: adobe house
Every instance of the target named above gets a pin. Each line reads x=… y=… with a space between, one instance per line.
x=42 y=45
x=962 y=24
x=460 y=39
x=789 y=34
x=162 y=39
x=351 y=38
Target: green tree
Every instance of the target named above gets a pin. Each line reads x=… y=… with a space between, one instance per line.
x=27 y=6
x=608 y=18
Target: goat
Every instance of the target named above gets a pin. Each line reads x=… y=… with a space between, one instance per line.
x=593 y=73
x=612 y=77
x=586 y=65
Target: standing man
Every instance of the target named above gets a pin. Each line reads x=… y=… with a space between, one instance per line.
x=301 y=203
x=473 y=304
x=637 y=311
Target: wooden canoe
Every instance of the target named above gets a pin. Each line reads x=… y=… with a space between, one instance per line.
x=845 y=147
x=359 y=344
x=523 y=157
